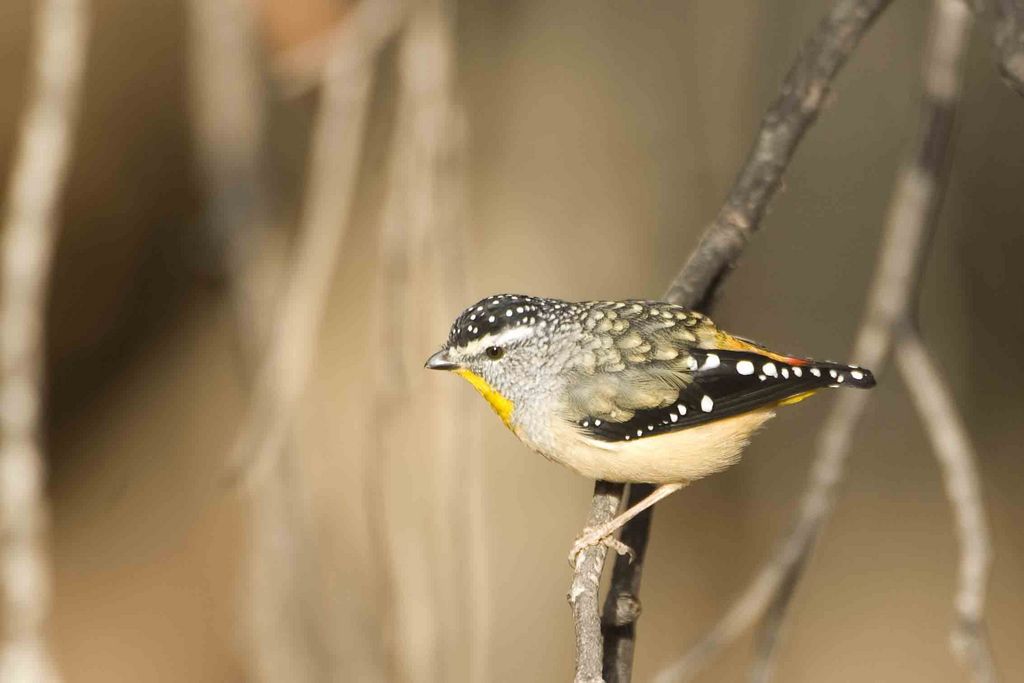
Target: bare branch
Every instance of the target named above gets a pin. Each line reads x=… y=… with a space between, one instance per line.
x=288 y=621
x=622 y=603
x=291 y=623
x=336 y=151
x=301 y=650
x=585 y=585
x=1008 y=36
x=228 y=110
x=30 y=233
x=950 y=27
x=912 y=213
x=763 y=667
x=438 y=547
x=957 y=459
x=802 y=95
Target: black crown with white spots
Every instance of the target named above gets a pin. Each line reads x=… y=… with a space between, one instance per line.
x=505 y=311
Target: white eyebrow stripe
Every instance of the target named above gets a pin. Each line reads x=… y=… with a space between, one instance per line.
x=511 y=335
x=502 y=338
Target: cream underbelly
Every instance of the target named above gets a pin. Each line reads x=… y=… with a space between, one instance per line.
x=675 y=457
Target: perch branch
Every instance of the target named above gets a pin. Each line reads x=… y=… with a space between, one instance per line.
x=912 y=214
x=30 y=233
x=622 y=603
x=336 y=152
x=586 y=582
x=933 y=400
x=802 y=95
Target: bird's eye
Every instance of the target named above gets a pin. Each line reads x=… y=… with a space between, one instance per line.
x=494 y=352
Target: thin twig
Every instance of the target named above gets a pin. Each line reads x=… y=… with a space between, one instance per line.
x=622 y=603
x=289 y=624
x=933 y=400
x=30 y=233
x=803 y=93
x=912 y=213
x=282 y=525
x=891 y=289
x=1008 y=36
x=586 y=580
x=435 y=549
x=943 y=64
x=228 y=110
x=336 y=150
x=763 y=667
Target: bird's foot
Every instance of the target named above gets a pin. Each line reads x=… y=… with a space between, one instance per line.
x=599 y=535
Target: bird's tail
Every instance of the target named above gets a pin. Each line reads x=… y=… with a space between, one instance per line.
x=836 y=374
x=839 y=374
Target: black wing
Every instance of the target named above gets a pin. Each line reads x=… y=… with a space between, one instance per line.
x=727 y=383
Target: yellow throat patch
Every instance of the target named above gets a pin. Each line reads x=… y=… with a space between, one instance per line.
x=501 y=405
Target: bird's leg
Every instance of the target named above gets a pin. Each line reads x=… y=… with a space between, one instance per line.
x=602 y=534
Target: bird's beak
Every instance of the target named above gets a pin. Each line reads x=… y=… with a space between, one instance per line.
x=439 y=361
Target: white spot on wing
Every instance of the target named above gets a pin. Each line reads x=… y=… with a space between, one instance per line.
x=711 y=361
x=745 y=367
x=798 y=372
x=706 y=404
x=816 y=372
x=856 y=374
x=770 y=370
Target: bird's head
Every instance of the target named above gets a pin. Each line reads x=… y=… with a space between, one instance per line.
x=509 y=347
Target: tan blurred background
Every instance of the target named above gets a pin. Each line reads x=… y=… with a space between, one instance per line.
x=601 y=138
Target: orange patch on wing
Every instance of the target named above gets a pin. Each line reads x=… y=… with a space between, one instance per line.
x=729 y=342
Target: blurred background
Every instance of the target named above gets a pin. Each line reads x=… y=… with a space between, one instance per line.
x=396 y=531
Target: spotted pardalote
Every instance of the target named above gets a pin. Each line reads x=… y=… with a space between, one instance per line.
x=627 y=391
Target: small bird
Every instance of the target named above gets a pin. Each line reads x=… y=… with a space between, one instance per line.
x=627 y=391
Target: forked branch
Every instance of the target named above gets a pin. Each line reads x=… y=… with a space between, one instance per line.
x=912 y=216
x=803 y=93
